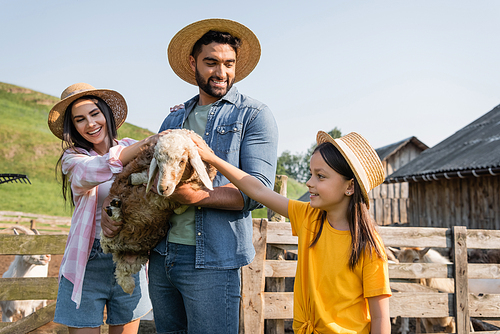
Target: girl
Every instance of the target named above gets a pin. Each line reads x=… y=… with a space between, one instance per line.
x=342 y=282
x=86 y=120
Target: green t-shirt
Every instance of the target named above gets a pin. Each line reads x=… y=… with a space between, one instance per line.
x=182 y=227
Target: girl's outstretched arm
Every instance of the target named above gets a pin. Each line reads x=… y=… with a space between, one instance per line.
x=379 y=312
x=248 y=184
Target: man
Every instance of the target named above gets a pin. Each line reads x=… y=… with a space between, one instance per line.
x=194 y=273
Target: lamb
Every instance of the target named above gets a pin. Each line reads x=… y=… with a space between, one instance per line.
x=24 y=266
x=145 y=214
x=427 y=255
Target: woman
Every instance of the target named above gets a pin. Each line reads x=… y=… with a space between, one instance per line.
x=86 y=120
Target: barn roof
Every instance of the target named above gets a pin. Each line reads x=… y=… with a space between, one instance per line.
x=387 y=151
x=472 y=151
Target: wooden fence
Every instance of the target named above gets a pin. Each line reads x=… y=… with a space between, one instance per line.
x=261 y=305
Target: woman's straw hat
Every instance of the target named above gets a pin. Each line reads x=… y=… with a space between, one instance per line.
x=112 y=98
x=182 y=43
x=362 y=158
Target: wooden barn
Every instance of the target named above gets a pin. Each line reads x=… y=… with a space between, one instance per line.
x=389 y=202
x=457 y=182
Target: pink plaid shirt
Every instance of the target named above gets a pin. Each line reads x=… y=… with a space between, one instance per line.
x=85 y=171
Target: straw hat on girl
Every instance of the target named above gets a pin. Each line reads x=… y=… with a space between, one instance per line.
x=112 y=98
x=182 y=43
x=360 y=155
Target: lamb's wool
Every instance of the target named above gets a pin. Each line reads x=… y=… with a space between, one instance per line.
x=145 y=214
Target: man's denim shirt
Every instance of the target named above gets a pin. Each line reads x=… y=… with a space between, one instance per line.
x=243 y=132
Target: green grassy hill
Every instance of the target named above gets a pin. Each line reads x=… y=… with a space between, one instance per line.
x=28 y=147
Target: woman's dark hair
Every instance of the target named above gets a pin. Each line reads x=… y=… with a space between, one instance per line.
x=217 y=37
x=361 y=225
x=73 y=140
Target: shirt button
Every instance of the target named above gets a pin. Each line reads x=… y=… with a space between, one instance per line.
x=222 y=131
x=199 y=233
x=206 y=133
x=199 y=208
x=235 y=129
x=212 y=113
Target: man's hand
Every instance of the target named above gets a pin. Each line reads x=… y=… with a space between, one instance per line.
x=110 y=228
x=184 y=194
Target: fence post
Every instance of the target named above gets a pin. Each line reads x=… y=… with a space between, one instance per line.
x=276 y=284
x=461 y=280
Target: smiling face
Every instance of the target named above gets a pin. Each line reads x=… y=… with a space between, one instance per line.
x=90 y=123
x=328 y=189
x=214 y=70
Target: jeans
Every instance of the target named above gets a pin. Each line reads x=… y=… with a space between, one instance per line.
x=101 y=290
x=190 y=300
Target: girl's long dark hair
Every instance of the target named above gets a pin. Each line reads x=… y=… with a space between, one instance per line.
x=73 y=140
x=361 y=225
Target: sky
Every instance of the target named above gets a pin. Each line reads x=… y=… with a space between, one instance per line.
x=388 y=70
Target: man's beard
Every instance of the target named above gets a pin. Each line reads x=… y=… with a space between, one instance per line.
x=205 y=86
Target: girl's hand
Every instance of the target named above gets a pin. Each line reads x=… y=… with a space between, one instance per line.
x=154 y=138
x=205 y=152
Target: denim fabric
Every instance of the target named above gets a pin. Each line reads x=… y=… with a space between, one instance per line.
x=243 y=132
x=206 y=299
x=100 y=289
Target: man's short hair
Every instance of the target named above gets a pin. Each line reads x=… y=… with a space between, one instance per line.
x=217 y=37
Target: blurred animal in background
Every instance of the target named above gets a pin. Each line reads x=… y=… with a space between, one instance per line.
x=24 y=266
x=427 y=255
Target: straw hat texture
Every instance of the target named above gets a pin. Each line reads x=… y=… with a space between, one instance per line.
x=112 y=98
x=362 y=158
x=182 y=43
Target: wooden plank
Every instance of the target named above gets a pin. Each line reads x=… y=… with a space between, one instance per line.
x=252 y=283
x=32 y=244
x=277 y=268
x=484 y=305
x=31 y=322
x=483 y=239
x=280 y=183
x=461 y=281
x=411 y=287
x=280 y=233
x=478 y=270
x=27 y=288
x=420 y=270
x=416 y=236
x=423 y=305
x=278 y=305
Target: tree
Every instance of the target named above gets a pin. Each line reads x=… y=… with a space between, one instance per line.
x=297 y=165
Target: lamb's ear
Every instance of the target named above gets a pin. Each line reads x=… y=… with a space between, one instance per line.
x=153 y=171
x=199 y=166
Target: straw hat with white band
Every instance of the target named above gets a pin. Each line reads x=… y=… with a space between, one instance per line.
x=182 y=43
x=364 y=161
x=112 y=98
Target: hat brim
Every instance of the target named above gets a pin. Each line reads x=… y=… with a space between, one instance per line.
x=181 y=46
x=364 y=163
x=112 y=98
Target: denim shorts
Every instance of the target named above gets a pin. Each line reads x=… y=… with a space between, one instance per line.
x=190 y=300
x=100 y=289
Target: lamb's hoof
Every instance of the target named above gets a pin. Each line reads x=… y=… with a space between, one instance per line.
x=116 y=203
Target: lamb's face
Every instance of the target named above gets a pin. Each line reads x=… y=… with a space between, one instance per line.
x=172 y=157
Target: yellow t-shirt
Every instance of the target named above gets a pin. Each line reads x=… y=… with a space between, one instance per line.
x=328 y=296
